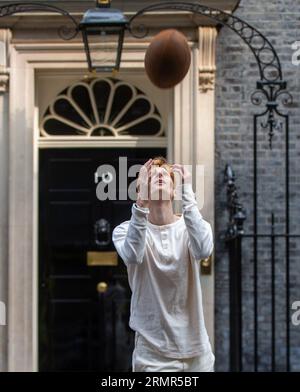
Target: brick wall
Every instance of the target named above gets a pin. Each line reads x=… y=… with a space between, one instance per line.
x=236 y=77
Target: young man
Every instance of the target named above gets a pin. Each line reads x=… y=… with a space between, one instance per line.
x=162 y=253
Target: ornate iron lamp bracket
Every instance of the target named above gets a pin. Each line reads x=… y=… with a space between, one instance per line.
x=65 y=32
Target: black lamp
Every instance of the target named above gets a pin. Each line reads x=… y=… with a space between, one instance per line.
x=101 y=26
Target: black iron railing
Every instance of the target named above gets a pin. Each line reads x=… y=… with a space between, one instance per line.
x=235 y=238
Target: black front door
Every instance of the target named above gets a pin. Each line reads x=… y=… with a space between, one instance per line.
x=84 y=295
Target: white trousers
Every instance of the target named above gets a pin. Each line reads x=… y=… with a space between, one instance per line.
x=145 y=359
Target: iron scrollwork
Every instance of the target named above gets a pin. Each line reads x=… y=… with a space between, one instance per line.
x=65 y=32
x=272 y=95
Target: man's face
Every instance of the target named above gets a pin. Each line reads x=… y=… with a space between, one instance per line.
x=161 y=186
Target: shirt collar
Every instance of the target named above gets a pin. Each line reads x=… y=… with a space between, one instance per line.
x=168 y=225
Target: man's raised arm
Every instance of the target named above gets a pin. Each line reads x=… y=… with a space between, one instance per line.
x=129 y=237
x=199 y=230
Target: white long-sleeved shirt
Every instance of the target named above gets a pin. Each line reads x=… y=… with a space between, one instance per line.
x=163 y=265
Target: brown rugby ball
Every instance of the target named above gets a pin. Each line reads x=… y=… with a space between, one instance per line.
x=167 y=58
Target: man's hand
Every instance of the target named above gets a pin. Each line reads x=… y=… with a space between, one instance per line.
x=143 y=185
x=185 y=175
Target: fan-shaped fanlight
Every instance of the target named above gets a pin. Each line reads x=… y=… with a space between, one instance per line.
x=102 y=107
